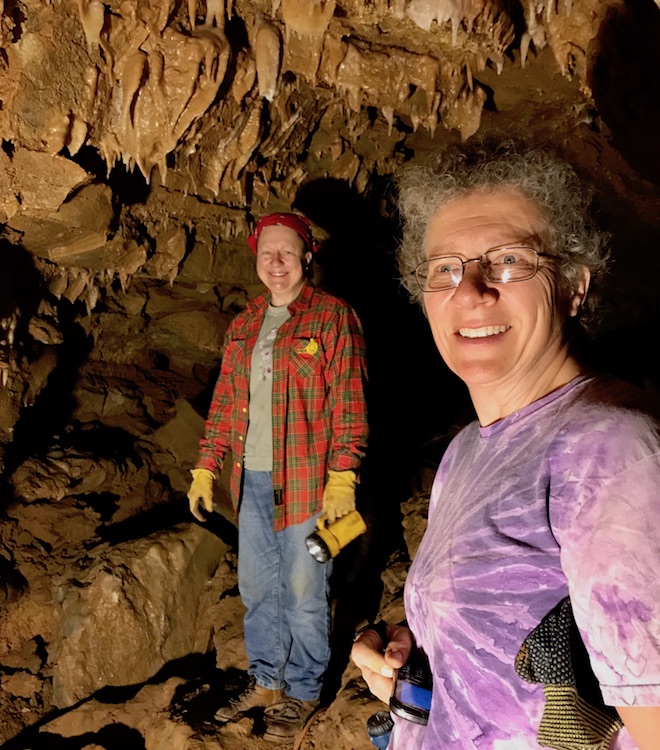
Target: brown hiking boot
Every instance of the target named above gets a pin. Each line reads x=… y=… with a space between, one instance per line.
x=254 y=696
x=287 y=717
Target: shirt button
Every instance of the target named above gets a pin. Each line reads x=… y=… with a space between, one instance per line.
x=244 y=409
x=238 y=464
x=240 y=437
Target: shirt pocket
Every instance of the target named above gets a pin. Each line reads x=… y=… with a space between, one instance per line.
x=234 y=352
x=306 y=357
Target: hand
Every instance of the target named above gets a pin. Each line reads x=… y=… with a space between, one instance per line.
x=339 y=494
x=377 y=660
x=201 y=491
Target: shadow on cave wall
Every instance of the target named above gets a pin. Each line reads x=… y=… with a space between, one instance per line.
x=409 y=389
x=408 y=382
x=51 y=412
x=624 y=76
x=20 y=293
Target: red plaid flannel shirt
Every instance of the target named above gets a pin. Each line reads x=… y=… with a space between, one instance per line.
x=319 y=409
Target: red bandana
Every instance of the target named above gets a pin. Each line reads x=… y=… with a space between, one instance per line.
x=296 y=222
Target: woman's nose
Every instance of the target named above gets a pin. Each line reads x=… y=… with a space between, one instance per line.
x=474 y=285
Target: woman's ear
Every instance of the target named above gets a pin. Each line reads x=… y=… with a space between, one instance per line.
x=579 y=294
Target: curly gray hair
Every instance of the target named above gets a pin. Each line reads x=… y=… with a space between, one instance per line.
x=493 y=163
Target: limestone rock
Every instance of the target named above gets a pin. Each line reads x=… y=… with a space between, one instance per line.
x=134 y=610
x=189 y=337
x=179 y=439
x=34 y=181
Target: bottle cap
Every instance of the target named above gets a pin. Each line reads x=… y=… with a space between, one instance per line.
x=379 y=724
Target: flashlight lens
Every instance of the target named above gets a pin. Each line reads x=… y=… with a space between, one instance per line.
x=317 y=549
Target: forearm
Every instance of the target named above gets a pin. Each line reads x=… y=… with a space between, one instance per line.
x=217 y=430
x=348 y=402
x=212 y=447
x=643 y=723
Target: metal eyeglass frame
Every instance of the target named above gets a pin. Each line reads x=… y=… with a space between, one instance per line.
x=484 y=267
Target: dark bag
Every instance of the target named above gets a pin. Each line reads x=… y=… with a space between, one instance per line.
x=574 y=716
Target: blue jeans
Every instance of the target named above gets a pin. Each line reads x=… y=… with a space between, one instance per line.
x=286 y=593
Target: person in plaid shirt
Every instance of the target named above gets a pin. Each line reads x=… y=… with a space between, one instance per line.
x=289 y=404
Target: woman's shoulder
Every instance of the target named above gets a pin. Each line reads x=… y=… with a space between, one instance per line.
x=607 y=401
x=249 y=317
x=607 y=427
x=322 y=299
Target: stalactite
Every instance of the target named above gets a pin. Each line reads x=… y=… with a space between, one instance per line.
x=215 y=14
x=268 y=55
x=424 y=12
x=549 y=8
x=388 y=114
x=192 y=13
x=247 y=141
x=305 y=17
x=132 y=71
x=92 y=17
x=78 y=280
x=246 y=74
x=278 y=139
x=8 y=325
x=525 y=41
x=78 y=129
x=91 y=296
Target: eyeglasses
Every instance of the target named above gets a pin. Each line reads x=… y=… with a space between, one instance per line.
x=501 y=265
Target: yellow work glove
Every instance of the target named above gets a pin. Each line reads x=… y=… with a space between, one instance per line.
x=201 y=491
x=339 y=494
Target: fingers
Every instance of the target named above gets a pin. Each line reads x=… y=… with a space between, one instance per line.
x=334 y=508
x=193 y=501
x=377 y=673
x=381 y=687
x=343 y=510
x=367 y=653
x=207 y=502
x=378 y=666
x=399 y=645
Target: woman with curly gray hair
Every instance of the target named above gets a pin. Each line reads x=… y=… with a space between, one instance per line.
x=541 y=508
x=571 y=236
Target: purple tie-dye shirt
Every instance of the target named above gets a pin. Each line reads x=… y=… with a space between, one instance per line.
x=560 y=497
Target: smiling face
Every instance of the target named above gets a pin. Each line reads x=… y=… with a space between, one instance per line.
x=281 y=262
x=505 y=341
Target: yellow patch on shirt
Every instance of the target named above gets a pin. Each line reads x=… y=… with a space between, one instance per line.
x=312 y=347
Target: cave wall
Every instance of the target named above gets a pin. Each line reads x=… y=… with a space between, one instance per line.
x=140 y=140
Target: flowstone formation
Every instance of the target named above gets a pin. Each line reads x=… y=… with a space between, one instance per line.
x=140 y=140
